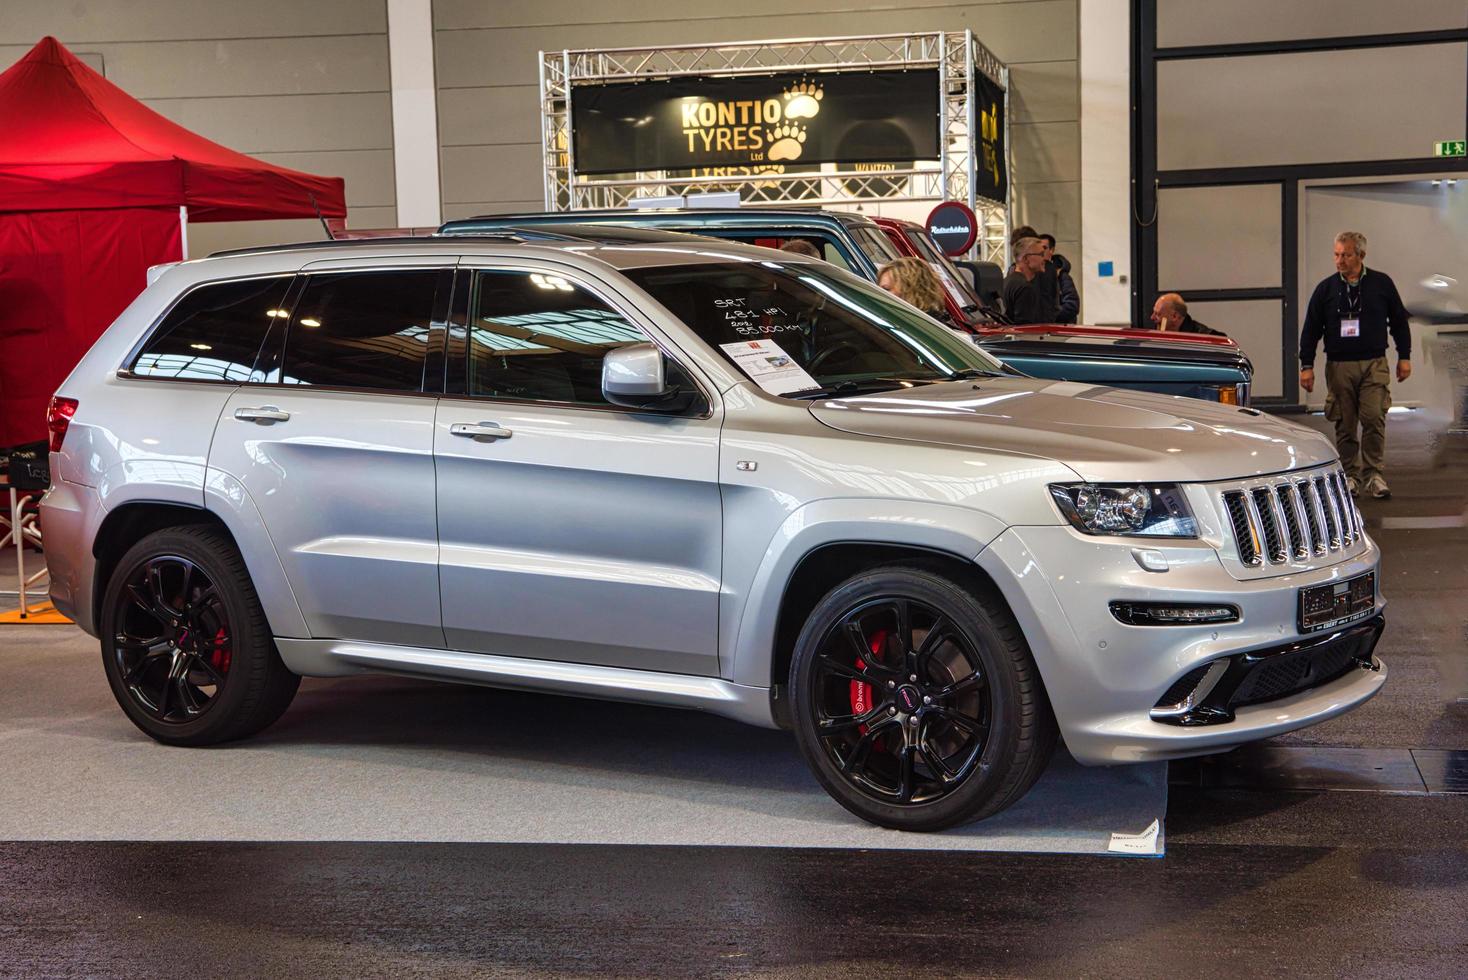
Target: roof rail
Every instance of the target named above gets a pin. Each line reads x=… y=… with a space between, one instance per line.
x=488 y=236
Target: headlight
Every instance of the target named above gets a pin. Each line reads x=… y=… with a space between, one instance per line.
x=1144 y=509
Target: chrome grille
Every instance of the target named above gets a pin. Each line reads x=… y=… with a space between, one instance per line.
x=1277 y=520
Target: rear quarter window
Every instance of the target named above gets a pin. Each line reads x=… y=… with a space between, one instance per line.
x=214 y=332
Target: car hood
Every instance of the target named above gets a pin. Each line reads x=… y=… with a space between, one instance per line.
x=1111 y=348
x=1104 y=434
x=1117 y=333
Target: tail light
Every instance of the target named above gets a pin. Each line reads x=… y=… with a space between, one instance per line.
x=58 y=420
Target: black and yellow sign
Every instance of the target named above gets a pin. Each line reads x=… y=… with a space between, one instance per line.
x=755 y=124
x=991 y=170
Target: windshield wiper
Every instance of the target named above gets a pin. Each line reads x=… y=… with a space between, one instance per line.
x=968 y=374
x=869 y=386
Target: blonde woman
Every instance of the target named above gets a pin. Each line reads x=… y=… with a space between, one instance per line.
x=910 y=278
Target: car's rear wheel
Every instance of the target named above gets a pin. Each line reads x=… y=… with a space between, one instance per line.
x=916 y=702
x=185 y=644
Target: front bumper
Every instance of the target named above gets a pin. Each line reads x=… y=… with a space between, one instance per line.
x=1105 y=679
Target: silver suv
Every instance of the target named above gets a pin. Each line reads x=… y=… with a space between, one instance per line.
x=702 y=475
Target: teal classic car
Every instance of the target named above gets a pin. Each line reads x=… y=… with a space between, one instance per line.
x=1214 y=369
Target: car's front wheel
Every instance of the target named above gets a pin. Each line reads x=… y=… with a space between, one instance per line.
x=916 y=702
x=185 y=643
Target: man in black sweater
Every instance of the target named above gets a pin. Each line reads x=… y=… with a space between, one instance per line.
x=1353 y=311
x=1023 y=302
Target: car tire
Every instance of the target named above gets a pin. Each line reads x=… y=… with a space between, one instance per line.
x=913 y=764
x=185 y=643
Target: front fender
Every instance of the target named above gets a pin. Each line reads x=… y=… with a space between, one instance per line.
x=961 y=532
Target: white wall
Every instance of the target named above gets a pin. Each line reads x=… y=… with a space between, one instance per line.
x=1106 y=222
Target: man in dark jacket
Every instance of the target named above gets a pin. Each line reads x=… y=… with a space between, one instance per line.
x=1353 y=311
x=1067 y=297
x=1042 y=307
x=1022 y=300
x=1171 y=313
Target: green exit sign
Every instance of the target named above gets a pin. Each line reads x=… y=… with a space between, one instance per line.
x=1450 y=148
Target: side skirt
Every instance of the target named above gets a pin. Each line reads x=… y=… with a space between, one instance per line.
x=334 y=658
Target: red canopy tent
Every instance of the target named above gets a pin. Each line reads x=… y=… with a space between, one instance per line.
x=92 y=183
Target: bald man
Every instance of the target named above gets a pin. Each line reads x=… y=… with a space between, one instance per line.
x=1171 y=313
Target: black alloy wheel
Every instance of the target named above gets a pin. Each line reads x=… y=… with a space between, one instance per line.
x=173 y=641
x=916 y=702
x=185 y=643
x=901 y=700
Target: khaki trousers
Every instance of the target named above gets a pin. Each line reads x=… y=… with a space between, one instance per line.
x=1358 y=393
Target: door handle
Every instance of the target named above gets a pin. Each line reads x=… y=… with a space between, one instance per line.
x=480 y=430
x=268 y=415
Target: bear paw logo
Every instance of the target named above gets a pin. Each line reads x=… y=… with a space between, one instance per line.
x=785 y=141
x=803 y=100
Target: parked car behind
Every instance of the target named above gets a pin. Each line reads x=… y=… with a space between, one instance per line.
x=1144 y=360
x=706 y=477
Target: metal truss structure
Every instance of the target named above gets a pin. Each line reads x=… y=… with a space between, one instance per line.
x=956 y=56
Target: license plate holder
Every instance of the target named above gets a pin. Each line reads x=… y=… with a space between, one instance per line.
x=1336 y=604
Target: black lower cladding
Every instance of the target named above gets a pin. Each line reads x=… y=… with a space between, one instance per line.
x=1277 y=672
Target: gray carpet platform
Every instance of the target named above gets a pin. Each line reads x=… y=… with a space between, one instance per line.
x=389 y=759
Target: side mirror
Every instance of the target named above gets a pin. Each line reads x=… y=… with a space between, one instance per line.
x=635 y=376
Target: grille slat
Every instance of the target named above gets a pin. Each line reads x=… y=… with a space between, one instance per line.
x=1348 y=508
x=1331 y=512
x=1268 y=522
x=1317 y=517
x=1244 y=535
x=1289 y=509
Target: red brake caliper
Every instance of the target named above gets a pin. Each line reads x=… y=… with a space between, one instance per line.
x=861 y=692
x=219 y=656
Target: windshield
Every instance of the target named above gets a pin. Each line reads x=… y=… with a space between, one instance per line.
x=953 y=281
x=807 y=329
x=875 y=243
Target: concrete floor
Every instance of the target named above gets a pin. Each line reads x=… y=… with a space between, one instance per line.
x=1314 y=855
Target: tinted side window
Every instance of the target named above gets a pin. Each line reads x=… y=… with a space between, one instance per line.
x=536 y=336
x=362 y=330
x=215 y=331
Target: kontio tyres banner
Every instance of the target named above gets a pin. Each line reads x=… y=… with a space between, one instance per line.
x=756 y=122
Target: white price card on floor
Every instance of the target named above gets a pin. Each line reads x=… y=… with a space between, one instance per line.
x=768 y=366
x=1143 y=843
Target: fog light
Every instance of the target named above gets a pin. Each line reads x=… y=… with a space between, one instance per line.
x=1172 y=613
